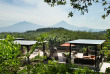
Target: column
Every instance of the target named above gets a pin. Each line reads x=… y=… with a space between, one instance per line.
x=28 y=56
x=95 y=55
x=70 y=53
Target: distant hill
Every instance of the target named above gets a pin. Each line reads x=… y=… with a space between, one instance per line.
x=65 y=25
x=21 y=27
x=62 y=34
x=44 y=30
x=102 y=32
x=27 y=26
x=58 y=34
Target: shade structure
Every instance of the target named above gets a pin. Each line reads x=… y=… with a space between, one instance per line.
x=25 y=42
x=87 y=42
x=67 y=44
x=19 y=38
x=28 y=44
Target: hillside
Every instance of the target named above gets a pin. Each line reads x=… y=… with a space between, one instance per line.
x=21 y=27
x=44 y=30
x=72 y=27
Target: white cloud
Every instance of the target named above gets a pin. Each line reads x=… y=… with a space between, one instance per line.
x=39 y=12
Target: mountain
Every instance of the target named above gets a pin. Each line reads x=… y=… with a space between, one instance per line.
x=21 y=27
x=65 y=25
x=27 y=26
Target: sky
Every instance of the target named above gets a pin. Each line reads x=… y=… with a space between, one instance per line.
x=39 y=12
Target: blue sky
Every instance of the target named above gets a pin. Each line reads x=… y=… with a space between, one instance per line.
x=38 y=12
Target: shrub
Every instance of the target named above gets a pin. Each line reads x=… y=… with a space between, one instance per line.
x=55 y=68
x=107 y=70
x=9 y=51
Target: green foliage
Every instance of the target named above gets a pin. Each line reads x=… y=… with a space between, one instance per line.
x=32 y=35
x=42 y=30
x=59 y=36
x=105 y=48
x=9 y=52
x=41 y=38
x=54 y=68
x=107 y=70
x=108 y=56
x=56 y=36
x=70 y=14
x=84 y=50
x=106 y=45
x=81 y=5
x=85 y=70
x=10 y=62
x=108 y=34
x=40 y=57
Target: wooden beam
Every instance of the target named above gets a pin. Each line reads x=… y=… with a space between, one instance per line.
x=84 y=44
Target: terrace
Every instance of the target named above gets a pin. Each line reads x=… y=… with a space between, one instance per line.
x=88 y=59
x=80 y=59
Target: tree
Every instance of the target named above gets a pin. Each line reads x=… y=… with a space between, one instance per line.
x=108 y=34
x=81 y=5
x=9 y=60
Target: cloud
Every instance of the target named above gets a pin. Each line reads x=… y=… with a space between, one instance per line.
x=22 y=3
x=39 y=12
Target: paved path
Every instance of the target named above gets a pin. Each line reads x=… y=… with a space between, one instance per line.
x=104 y=66
x=35 y=53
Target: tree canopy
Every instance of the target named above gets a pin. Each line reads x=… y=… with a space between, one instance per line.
x=108 y=34
x=82 y=5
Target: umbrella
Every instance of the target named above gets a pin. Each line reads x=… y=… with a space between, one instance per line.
x=67 y=44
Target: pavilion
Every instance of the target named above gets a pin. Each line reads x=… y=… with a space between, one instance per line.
x=87 y=42
x=19 y=38
x=28 y=44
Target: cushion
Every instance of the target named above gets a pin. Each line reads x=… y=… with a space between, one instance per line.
x=92 y=56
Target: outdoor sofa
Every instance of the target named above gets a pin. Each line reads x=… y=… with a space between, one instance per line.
x=86 y=60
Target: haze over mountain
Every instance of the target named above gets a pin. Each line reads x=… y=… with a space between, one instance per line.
x=65 y=25
x=21 y=27
x=26 y=26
